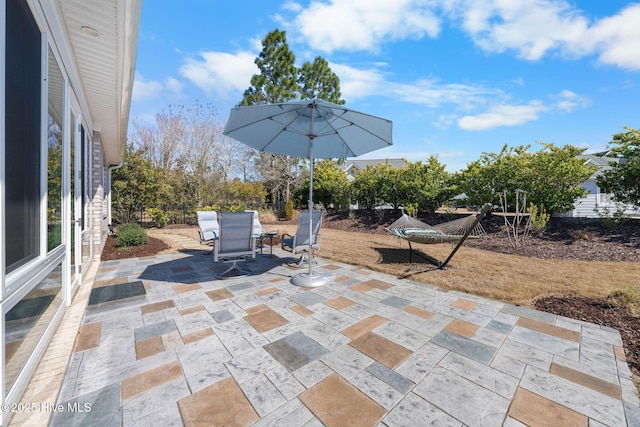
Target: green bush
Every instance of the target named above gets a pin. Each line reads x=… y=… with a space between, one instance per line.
x=539 y=218
x=288 y=210
x=158 y=216
x=131 y=235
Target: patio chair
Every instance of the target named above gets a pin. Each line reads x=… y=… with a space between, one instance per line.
x=235 y=241
x=208 y=227
x=257 y=230
x=299 y=243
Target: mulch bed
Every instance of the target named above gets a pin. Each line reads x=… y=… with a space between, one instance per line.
x=111 y=251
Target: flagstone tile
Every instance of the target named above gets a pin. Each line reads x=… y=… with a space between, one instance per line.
x=549 y=329
x=381 y=349
x=222 y=403
x=295 y=351
x=155 y=329
x=250 y=365
x=390 y=377
x=590 y=381
x=396 y=301
x=347 y=361
x=480 y=374
x=219 y=294
x=463 y=399
x=186 y=287
x=191 y=310
x=364 y=326
x=464 y=304
x=312 y=373
x=302 y=311
x=333 y=399
x=542 y=341
x=268 y=291
x=415 y=411
x=531 y=409
x=307 y=298
x=293 y=413
x=157 y=306
x=265 y=320
x=197 y=335
x=576 y=397
x=262 y=394
x=285 y=382
x=367 y=286
x=149 y=379
x=339 y=303
x=472 y=349
x=88 y=337
x=418 y=312
x=149 y=347
x=461 y=327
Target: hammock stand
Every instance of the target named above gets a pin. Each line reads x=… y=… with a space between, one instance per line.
x=458 y=230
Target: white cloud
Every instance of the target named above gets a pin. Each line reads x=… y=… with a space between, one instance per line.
x=219 y=73
x=363 y=24
x=356 y=83
x=503 y=115
x=568 y=101
x=147 y=90
x=535 y=28
x=360 y=83
x=618 y=38
x=530 y=27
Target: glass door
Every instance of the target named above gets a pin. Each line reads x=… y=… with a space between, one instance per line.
x=75 y=244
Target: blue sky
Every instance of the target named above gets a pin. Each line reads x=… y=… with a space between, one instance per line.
x=456 y=77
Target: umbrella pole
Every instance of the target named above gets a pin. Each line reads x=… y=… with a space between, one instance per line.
x=310 y=280
x=311 y=201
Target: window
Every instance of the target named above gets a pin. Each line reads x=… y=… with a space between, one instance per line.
x=54 y=153
x=27 y=321
x=22 y=135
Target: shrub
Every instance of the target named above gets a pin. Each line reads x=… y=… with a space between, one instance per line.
x=288 y=210
x=158 y=216
x=539 y=218
x=628 y=298
x=131 y=235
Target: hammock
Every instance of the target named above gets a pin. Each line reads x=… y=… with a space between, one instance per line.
x=458 y=230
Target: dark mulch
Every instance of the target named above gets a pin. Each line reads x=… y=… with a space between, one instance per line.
x=111 y=251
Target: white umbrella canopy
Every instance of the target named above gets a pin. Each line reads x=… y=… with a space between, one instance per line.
x=310 y=129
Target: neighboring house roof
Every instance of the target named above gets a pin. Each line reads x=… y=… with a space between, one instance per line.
x=103 y=36
x=601 y=162
x=356 y=165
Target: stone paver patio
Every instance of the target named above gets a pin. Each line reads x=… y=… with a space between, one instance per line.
x=366 y=350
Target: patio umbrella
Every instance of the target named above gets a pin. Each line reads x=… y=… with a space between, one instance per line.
x=311 y=129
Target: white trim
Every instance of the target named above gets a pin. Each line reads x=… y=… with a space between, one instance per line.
x=44 y=146
x=3 y=55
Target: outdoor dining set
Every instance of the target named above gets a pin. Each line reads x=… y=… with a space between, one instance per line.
x=235 y=236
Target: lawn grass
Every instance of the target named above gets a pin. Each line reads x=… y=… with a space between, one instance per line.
x=509 y=278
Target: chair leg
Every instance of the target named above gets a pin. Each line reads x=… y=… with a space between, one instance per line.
x=234 y=266
x=302 y=261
